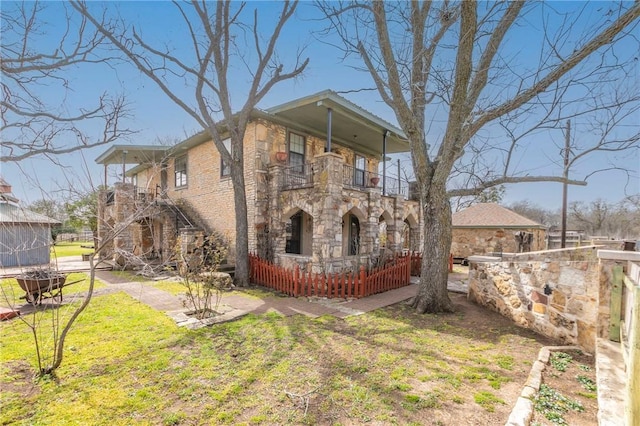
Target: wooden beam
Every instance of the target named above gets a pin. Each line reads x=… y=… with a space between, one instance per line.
x=615 y=304
x=632 y=403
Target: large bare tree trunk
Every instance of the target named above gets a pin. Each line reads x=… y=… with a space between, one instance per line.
x=241 y=277
x=432 y=293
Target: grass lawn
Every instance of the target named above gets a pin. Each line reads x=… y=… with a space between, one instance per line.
x=128 y=364
x=67 y=249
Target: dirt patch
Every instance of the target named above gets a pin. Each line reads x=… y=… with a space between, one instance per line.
x=568 y=391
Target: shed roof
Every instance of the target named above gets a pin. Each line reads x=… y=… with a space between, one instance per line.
x=12 y=213
x=491 y=215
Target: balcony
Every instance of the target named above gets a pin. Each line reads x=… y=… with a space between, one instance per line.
x=302 y=176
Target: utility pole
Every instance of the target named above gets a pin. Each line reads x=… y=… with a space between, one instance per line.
x=565 y=175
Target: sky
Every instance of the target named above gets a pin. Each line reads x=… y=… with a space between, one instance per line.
x=155 y=118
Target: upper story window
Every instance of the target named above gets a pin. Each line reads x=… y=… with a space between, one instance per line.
x=296 y=151
x=180 y=170
x=359 y=166
x=225 y=169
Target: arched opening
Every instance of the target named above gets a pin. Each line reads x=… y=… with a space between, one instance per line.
x=299 y=231
x=384 y=230
x=406 y=235
x=410 y=234
x=350 y=234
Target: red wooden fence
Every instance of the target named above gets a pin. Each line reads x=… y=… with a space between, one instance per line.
x=416 y=263
x=395 y=274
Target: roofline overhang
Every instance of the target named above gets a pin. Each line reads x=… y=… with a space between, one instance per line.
x=332 y=100
x=113 y=155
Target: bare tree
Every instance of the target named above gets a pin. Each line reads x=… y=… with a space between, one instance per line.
x=475 y=65
x=32 y=59
x=51 y=318
x=219 y=39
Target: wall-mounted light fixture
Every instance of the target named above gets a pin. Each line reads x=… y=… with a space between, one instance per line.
x=547 y=289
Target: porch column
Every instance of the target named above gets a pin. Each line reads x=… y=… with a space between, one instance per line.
x=394 y=230
x=384 y=162
x=276 y=239
x=329 y=115
x=124 y=206
x=370 y=230
x=327 y=225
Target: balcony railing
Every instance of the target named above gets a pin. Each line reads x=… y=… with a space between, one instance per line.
x=392 y=186
x=141 y=194
x=301 y=176
x=358 y=178
x=297 y=176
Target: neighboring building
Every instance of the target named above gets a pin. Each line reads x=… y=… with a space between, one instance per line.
x=25 y=236
x=311 y=177
x=487 y=228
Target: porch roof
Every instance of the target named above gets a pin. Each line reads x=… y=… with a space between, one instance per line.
x=351 y=125
x=133 y=154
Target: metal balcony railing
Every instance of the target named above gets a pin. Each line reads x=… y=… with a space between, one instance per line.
x=296 y=176
x=358 y=178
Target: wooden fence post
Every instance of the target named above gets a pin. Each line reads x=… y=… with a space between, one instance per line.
x=615 y=304
x=632 y=405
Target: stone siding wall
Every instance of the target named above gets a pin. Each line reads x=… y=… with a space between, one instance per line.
x=516 y=289
x=479 y=241
x=327 y=203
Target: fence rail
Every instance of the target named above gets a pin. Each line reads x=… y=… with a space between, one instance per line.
x=362 y=283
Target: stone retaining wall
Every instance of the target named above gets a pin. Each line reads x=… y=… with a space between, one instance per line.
x=551 y=294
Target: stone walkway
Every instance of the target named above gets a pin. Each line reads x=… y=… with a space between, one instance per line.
x=234 y=305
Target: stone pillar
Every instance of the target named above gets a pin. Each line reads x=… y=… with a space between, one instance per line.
x=103 y=224
x=124 y=208
x=394 y=230
x=276 y=239
x=369 y=232
x=327 y=229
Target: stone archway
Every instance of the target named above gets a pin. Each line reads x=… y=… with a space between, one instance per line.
x=411 y=234
x=352 y=230
x=298 y=232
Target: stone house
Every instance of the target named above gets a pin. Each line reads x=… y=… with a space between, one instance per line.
x=486 y=228
x=315 y=196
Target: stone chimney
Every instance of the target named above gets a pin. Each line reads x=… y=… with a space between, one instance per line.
x=5 y=188
x=5 y=191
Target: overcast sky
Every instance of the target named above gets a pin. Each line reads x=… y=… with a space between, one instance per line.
x=157 y=119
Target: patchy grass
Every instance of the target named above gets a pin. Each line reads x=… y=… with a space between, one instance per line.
x=67 y=249
x=128 y=364
x=487 y=400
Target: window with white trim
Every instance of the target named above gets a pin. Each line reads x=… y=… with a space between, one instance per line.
x=296 y=152
x=225 y=168
x=180 y=171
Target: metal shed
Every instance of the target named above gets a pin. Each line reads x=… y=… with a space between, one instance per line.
x=25 y=236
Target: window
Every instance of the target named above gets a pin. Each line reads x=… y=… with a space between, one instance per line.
x=354 y=235
x=296 y=152
x=134 y=180
x=359 y=166
x=180 y=170
x=225 y=169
